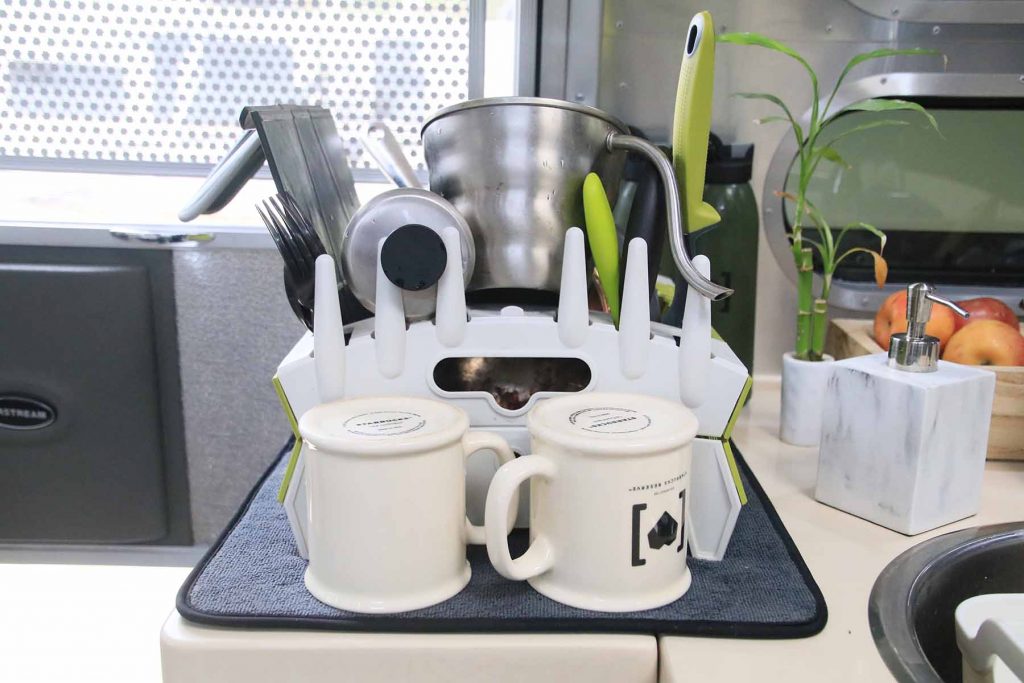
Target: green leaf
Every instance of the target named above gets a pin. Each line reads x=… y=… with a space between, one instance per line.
x=879 y=54
x=827 y=245
x=881 y=104
x=816 y=245
x=758 y=40
x=866 y=126
x=830 y=154
x=824 y=230
x=771 y=119
x=768 y=97
x=881 y=265
x=863 y=226
x=815 y=213
x=807 y=240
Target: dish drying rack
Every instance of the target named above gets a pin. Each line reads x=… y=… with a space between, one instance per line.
x=385 y=355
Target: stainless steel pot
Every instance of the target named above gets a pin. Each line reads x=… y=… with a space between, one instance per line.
x=514 y=168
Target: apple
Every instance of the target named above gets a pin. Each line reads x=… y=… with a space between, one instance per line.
x=986 y=342
x=892 y=318
x=986 y=308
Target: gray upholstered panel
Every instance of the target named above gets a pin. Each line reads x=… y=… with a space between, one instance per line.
x=234 y=326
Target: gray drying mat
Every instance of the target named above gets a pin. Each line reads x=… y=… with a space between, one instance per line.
x=253 y=578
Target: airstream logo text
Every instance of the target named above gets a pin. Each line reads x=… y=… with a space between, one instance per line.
x=25 y=412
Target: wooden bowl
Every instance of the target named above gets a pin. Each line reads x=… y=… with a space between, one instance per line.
x=848 y=338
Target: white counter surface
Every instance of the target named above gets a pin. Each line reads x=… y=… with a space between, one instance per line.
x=82 y=622
x=844 y=553
x=88 y=622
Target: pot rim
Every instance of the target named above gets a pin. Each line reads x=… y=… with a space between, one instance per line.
x=527 y=101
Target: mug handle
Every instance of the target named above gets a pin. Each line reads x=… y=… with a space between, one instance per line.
x=504 y=488
x=478 y=441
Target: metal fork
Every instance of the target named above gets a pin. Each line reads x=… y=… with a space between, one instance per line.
x=299 y=224
x=299 y=247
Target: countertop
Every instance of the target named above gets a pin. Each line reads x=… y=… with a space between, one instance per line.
x=87 y=621
x=844 y=553
x=92 y=616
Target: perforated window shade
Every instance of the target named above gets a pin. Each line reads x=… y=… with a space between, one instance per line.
x=158 y=85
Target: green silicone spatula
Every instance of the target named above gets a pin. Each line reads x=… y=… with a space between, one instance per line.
x=604 y=244
x=692 y=122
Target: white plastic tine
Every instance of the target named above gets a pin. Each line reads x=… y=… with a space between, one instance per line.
x=695 y=342
x=573 y=308
x=389 y=324
x=329 y=333
x=635 y=316
x=451 y=292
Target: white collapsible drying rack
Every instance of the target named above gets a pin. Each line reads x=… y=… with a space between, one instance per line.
x=386 y=356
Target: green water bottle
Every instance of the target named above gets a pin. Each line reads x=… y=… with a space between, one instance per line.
x=731 y=245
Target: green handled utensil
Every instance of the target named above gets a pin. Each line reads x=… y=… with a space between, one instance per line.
x=604 y=243
x=691 y=125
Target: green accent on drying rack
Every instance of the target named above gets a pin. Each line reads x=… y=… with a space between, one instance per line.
x=726 y=439
x=727 y=435
x=286 y=406
x=735 y=472
x=290 y=470
x=739 y=407
x=290 y=414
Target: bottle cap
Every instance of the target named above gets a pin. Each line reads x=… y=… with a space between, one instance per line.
x=728 y=164
x=913 y=350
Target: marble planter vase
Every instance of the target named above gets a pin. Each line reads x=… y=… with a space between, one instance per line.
x=803 y=395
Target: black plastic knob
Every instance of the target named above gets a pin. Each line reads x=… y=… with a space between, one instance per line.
x=413 y=257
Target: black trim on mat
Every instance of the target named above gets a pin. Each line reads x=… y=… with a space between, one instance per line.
x=399 y=624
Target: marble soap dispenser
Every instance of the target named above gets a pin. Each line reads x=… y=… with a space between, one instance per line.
x=903 y=437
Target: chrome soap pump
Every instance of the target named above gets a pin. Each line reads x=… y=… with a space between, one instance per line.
x=904 y=434
x=913 y=350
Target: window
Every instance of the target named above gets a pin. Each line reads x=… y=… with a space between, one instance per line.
x=951 y=205
x=157 y=85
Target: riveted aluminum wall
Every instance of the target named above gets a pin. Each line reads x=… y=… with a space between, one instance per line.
x=642 y=44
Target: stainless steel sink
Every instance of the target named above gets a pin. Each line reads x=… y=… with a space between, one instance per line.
x=913 y=600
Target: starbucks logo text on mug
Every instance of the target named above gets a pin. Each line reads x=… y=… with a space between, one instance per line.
x=384 y=423
x=610 y=420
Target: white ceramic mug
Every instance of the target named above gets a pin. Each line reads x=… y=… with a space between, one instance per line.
x=387 y=501
x=608 y=477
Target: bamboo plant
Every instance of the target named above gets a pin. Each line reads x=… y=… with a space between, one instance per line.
x=814 y=146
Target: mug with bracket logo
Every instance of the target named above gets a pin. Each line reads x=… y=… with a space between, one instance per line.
x=387 y=501
x=608 y=478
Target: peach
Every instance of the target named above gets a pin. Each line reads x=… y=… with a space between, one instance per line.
x=892 y=318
